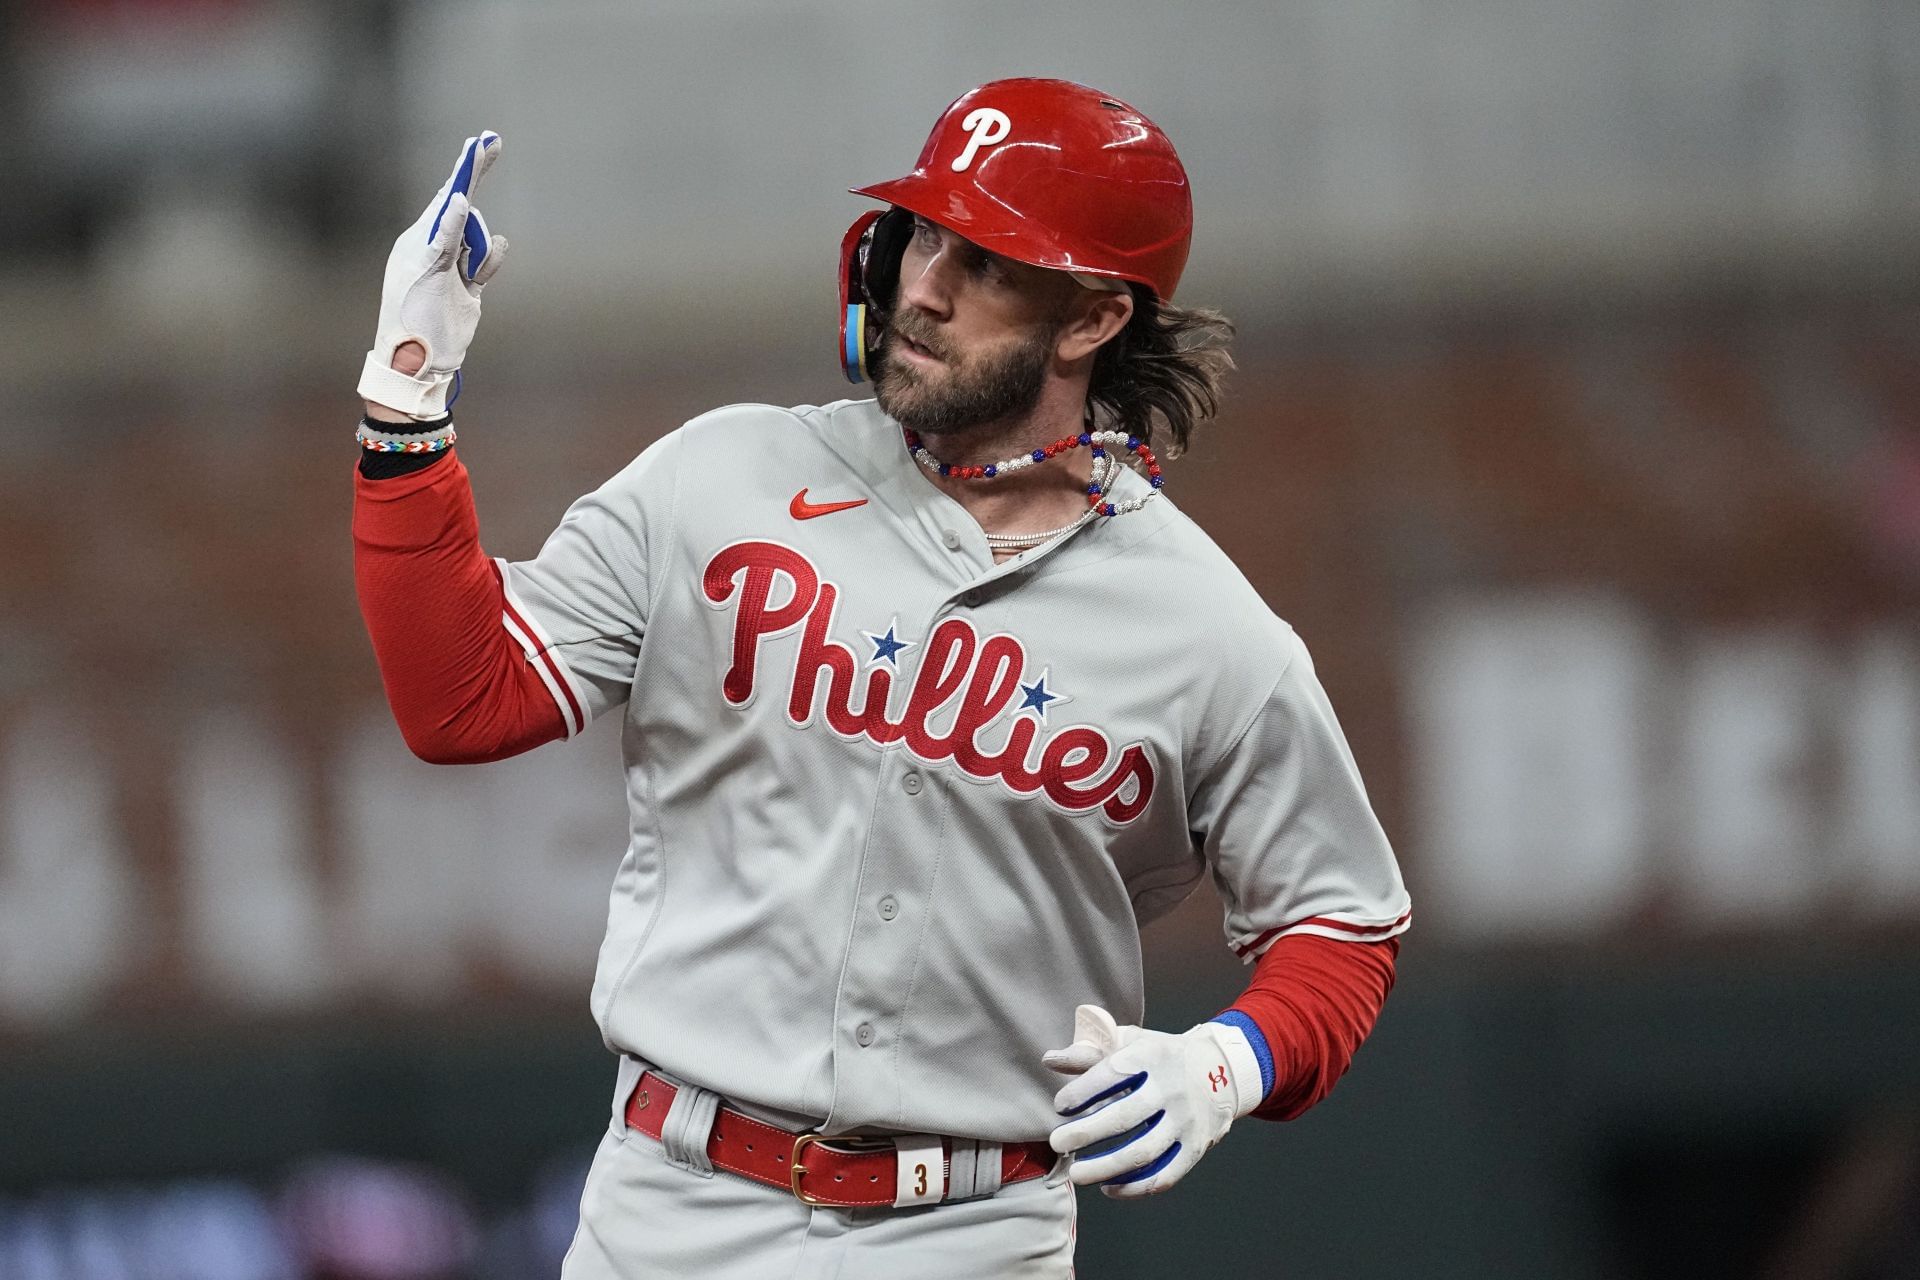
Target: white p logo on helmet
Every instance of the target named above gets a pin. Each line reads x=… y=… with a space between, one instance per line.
x=987 y=127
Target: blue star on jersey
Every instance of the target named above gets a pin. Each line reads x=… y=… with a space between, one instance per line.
x=1039 y=699
x=887 y=646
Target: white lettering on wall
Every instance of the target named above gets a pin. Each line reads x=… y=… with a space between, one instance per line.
x=414 y=845
x=1526 y=722
x=1880 y=775
x=1748 y=829
x=504 y=865
x=254 y=915
x=1573 y=773
x=66 y=885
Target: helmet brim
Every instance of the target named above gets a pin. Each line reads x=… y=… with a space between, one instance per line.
x=986 y=222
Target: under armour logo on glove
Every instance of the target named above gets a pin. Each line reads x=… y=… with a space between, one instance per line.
x=1147 y=1104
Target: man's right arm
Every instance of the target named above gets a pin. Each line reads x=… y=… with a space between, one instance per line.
x=463 y=684
x=462 y=687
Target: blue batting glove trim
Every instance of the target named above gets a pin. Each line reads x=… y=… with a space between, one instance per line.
x=1128 y=1085
x=1146 y=1171
x=1235 y=1018
x=456 y=389
x=462 y=178
x=479 y=243
x=1108 y=1146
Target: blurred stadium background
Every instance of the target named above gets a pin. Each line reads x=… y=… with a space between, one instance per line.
x=1578 y=431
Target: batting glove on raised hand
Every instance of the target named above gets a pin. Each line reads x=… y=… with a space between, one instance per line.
x=432 y=291
x=1159 y=1100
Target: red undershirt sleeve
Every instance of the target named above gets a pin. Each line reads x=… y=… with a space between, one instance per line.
x=1314 y=1000
x=461 y=687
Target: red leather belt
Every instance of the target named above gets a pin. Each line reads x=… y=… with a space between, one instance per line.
x=840 y=1173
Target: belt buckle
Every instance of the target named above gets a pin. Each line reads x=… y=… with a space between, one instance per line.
x=804 y=1140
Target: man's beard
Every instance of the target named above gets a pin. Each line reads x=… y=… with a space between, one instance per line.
x=1001 y=385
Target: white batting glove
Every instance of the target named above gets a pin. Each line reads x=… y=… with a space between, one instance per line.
x=1175 y=1094
x=432 y=291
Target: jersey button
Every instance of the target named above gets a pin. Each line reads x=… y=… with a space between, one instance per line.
x=911 y=784
x=889 y=908
x=951 y=537
x=864 y=1034
x=970 y=599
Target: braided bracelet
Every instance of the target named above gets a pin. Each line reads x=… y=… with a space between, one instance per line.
x=376 y=441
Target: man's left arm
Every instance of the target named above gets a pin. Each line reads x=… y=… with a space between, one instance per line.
x=1311 y=1003
x=1314 y=901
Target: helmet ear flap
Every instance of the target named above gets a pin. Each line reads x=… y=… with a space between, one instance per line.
x=869 y=278
x=885 y=245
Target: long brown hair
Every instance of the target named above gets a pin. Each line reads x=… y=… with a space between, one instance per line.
x=1162 y=375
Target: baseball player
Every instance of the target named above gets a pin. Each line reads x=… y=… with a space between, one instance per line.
x=929 y=702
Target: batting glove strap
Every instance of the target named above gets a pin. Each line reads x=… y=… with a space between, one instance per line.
x=431 y=294
x=1146 y=1105
x=422 y=398
x=1257 y=1041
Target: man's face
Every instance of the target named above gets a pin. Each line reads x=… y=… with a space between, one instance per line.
x=970 y=338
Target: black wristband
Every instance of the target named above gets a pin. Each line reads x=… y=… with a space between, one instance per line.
x=385 y=466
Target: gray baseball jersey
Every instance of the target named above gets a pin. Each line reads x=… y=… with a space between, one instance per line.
x=896 y=809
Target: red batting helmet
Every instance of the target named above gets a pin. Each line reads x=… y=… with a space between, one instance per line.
x=1045 y=172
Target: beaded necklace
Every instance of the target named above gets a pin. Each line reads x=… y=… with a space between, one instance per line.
x=1027 y=541
x=1104 y=470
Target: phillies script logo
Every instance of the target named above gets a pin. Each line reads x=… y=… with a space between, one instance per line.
x=1075 y=767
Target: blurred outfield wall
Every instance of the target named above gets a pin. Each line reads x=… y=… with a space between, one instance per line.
x=1577 y=430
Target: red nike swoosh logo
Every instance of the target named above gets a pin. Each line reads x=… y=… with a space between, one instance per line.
x=801 y=509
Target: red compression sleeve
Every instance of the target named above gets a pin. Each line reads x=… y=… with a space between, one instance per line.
x=1315 y=999
x=460 y=686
